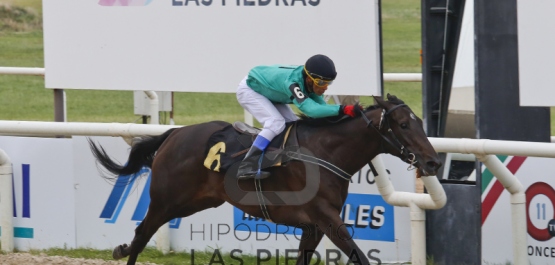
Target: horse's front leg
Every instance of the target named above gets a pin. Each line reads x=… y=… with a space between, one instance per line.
x=309 y=241
x=337 y=232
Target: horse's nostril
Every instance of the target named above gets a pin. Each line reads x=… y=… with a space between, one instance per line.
x=434 y=164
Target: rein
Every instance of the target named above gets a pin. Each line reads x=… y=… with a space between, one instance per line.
x=317 y=161
x=409 y=157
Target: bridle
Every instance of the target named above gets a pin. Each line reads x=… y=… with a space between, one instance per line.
x=408 y=157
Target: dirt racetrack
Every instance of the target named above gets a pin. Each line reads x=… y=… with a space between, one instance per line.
x=43 y=259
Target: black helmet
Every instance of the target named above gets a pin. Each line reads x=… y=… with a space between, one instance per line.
x=320 y=66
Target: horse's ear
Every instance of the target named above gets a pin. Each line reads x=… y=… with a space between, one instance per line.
x=391 y=97
x=380 y=101
x=394 y=99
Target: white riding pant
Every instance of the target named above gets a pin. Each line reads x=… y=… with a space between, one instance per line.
x=271 y=116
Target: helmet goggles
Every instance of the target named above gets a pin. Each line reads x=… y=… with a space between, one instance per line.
x=318 y=80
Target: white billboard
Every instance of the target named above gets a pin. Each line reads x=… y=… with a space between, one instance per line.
x=206 y=45
x=535 y=52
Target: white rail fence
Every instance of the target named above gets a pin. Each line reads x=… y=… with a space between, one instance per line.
x=417 y=202
x=484 y=150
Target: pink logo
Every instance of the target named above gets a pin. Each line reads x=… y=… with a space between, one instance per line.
x=124 y=2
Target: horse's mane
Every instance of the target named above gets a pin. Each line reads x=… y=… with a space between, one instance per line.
x=332 y=120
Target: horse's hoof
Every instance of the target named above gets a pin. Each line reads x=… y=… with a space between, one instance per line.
x=118 y=252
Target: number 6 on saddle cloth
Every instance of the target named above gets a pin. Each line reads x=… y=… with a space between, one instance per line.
x=230 y=145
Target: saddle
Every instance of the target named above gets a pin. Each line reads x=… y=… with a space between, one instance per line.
x=230 y=145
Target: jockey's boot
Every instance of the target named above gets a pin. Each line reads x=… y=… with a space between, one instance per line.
x=248 y=168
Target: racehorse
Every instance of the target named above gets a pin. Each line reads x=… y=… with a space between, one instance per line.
x=182 y=186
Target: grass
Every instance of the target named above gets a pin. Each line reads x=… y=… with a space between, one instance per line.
x=151 y=255
x=25 y=98
x=401 y=37
x=17 y=18
x=34 y=5
x=401 y=41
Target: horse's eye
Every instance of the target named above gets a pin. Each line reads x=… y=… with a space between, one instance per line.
x=404 y=125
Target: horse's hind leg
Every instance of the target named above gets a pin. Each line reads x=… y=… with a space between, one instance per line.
x=309 y=241
x=122 y=251
x=156 y=216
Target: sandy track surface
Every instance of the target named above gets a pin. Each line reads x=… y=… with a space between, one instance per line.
x=43 y=259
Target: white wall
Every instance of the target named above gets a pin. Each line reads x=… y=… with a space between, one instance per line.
x=68 y=195
x=48 y=219
x=69 y=184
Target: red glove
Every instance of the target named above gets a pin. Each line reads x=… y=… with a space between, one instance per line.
x=350 y=110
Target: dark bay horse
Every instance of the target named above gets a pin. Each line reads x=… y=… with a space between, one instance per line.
x=182 y=186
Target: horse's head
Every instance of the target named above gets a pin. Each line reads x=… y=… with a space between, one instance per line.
x=403 y=136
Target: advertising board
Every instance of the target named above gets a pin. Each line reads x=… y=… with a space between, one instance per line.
x=535 y=52
x=536 y=175
x=208 y=45
x=72 y=205
x=44 y=205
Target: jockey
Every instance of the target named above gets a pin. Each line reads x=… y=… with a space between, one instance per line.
x=265 y=93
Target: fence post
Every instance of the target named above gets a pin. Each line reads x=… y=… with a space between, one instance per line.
x=59 y=105
x=6 y=203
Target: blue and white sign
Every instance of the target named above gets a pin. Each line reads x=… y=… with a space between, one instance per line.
x=370 y=217
x=367 y=217
x=44 y=205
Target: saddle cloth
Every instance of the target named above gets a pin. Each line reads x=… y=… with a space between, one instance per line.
x=230 y=145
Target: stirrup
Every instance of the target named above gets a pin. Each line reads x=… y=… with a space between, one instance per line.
x=254 y=175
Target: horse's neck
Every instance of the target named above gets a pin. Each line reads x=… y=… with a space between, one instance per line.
x=349 y=145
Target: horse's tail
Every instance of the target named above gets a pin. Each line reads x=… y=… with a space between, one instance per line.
x=142 y=154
